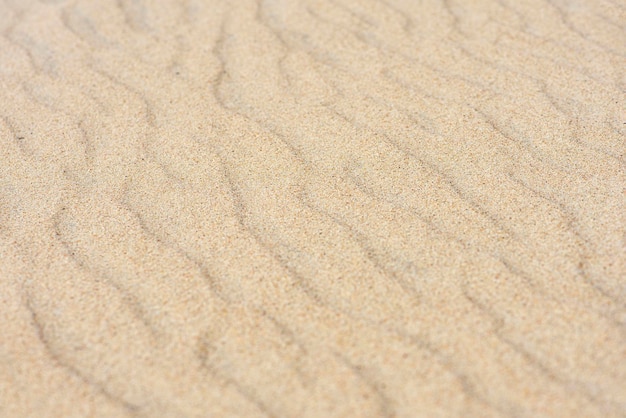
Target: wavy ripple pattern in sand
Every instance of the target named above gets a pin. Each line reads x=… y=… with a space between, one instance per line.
x=312 y=208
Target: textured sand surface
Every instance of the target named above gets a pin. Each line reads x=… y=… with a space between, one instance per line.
x=312 y=208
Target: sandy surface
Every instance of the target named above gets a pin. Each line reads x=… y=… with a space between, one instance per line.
x=315 y=208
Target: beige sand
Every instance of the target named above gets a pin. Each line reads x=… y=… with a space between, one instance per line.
x=315 y=208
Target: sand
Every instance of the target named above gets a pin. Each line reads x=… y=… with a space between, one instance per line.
x=313 y=208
